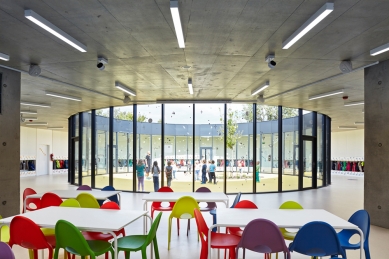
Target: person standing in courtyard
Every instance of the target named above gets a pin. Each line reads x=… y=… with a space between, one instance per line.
x=257 y=169
x=169 y=170
x=140 y=173
x=212 y=172
x=155 y=171
x=197 y=170
x=174 y=168
x=204 y=172
x=148 y=164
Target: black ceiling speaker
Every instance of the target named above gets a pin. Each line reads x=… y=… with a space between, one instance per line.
x=34 y=70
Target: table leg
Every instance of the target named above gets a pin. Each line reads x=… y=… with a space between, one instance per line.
x=115 y=245
x=362 y=241
x=120 y=200
x=152 y=243
x=144 y=220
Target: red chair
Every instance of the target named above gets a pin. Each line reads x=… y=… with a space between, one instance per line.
x=25 y=233
x=35 y=201
x=210 y=205
x=245 y=204
x=218 y=240
x=156 y=206
x=50 y=199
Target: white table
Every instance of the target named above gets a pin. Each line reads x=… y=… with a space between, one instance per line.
x=95 y=220
x=227 y=217
x=68 y=194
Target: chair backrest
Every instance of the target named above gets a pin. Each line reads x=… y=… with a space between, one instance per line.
x=35 y=201
x=4 y=233
x=201 y=227
x=184 y=208
x=84 y=187
x=6 y=251
x=291 y=205
x=361 y=218
x=25 y=233
x=153 y=229
x=317 y=238
x=237 y=199
x=209 y=204
x=157 y=204
x=69 y=237
x=87 y=200
x=50 y=199
x=246 y=204
x=113 y=198
x=70 y=203
x=110 y=205
x=263 y=236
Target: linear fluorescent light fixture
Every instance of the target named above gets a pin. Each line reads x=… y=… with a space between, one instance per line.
x=4 y=56
x=379 y=50
x=193 y=101
x=177 y=23
x=359 y=123
x=48 y=26
x=190 y=85
x=125 y=89
x=28 y=112
x=261 y=88
x=44 y=105
x=355 y=103
x=318 y=96
x=322 y=13
x=30 y=118
x=54 y=127
x=37 y=124
x=347 y=127
x=64 y=96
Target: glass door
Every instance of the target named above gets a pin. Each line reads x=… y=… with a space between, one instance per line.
x=76 y=164
x=206 y=153
x=307 y=163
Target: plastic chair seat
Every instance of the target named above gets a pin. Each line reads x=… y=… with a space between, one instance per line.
x=221 y=240
x=51 y=240
x=132 y=243
x=48 y=231
x=288 y=235
x=100 y=236
x=235 y=231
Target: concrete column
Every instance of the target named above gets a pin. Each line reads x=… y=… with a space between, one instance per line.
x=377 y=143
x=9 y=143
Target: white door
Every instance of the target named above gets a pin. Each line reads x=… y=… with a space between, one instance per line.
x=42 y=160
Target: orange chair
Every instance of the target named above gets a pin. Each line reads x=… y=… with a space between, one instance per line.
x=245 y=204
x=156 y=206
x=218 y=240
x=35 y=201
x=25 y=233
x=50 y=199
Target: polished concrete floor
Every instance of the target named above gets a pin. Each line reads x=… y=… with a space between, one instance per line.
x=342 y=198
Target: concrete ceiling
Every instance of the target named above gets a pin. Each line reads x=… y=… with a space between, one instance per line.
x=226 y=45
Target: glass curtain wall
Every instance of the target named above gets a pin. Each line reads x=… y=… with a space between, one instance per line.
x=307 y=149
x=209 y=143
x=86 y=149
x=178 y=146
x=76 y=143
x=320 y=155
x=102 y=144
x=290 y=135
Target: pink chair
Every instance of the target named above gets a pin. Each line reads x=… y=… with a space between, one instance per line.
x=84 y=187
x=263 y=236
x=210 y=205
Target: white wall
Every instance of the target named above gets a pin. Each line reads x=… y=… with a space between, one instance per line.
x=348 y=145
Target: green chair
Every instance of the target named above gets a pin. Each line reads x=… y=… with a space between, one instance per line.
x=87 y=200
x=70 y=203
x=289 y=205
x=140 y=242
x=72 y=241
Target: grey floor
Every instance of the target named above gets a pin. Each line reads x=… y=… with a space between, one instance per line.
x=342 y=198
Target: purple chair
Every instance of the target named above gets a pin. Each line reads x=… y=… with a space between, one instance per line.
x=6 y=251
x=263 y=236
x=84 y=188
x=210 y=205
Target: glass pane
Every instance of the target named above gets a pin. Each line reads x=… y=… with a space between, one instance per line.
x=86 y=149
x=267 y=148
x=178 y=146
x=290 y=149
x=76 y=162
x=307 y=164
x=209 y=145
x=102 y=143
x=307 y=122
x=319 y=150
x=239 y=148
x=149 y=144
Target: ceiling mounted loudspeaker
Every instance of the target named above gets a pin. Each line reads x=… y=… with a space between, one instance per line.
x=346 y=66
x=270 y=61
x=260 y=99
x=101 y=62
x=34 y=70
x=126 y=99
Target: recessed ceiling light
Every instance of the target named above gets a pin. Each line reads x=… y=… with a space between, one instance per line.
x=318 y=96
x=4 y=57
x=379 y=50
x=37 y=124
x=190 y=86
x=35 y=104
x=27 y=112
x=125 y=89
x=355 y=103
x=30 y=118
x=359 y=123
x=48 y=26
x=322 y=13
x=347 y=127
x=177 y=23
x=261 y=88
x=63 y=96
x=54 y=127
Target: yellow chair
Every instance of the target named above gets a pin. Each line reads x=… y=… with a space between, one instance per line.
x=183 y=209
x=4 y=233
x=70 y=203
x=87 y=200
x=289 y=205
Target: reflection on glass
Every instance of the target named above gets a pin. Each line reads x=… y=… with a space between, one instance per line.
x=102 y=144
x=178 y=145
x=290 y=149
x=86 y=149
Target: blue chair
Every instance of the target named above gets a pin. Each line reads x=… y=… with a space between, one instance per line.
x=316 y=239
x=213 y=212
x=113 y=198
x=361 y=219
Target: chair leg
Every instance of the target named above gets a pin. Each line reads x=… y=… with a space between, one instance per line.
x=156 y=251
x=232 y=253
x=188 y=227
x=169 y=233
x=35 y=254
x=244 y=253
x=178 y=226
x=144 y=255
x=50 y=253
